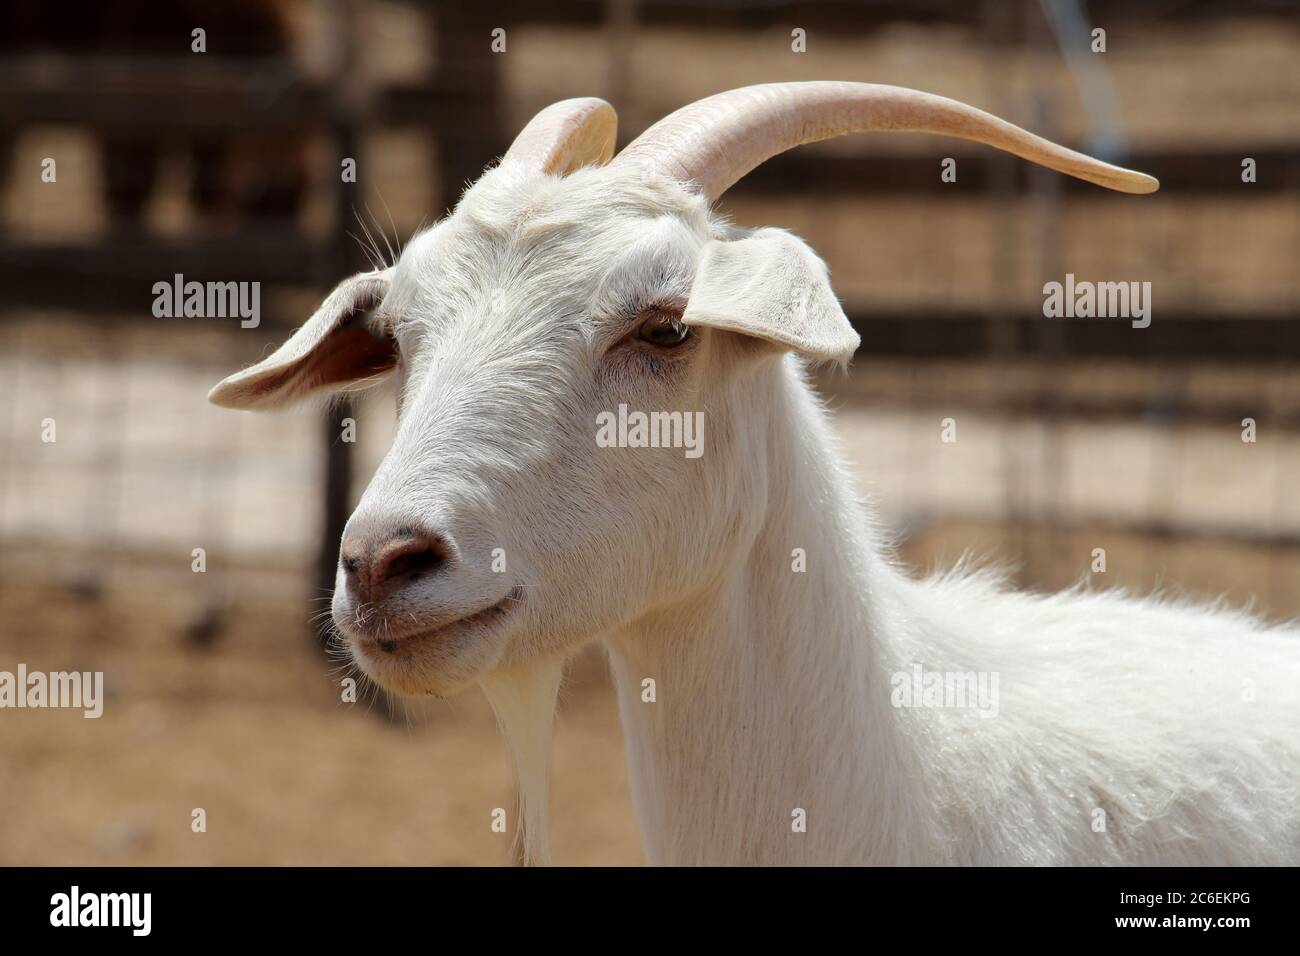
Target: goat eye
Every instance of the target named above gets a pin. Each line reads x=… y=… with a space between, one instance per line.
x=663 y=329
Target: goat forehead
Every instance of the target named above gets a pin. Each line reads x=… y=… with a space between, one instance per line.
x=506 y=198
x=563 y=248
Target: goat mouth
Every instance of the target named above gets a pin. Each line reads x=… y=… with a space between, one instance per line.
x=479 y=620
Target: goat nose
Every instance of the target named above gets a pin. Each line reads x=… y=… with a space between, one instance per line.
x=403 y=557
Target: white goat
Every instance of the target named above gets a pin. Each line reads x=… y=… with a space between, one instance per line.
x=497 y=537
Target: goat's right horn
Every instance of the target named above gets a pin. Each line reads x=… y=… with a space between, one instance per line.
x=567 y=135
x=716 y=141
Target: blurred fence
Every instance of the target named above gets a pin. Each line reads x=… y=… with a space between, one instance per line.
x=225 y=165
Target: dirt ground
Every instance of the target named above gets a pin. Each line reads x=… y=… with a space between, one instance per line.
x=252 y=730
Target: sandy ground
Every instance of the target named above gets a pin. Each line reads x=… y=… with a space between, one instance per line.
x=253 y=731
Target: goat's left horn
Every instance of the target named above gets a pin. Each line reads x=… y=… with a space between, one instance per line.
x=714 y=142
x=567 y=135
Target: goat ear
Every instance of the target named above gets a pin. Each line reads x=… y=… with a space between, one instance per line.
x=333 y=348
x=772 y=286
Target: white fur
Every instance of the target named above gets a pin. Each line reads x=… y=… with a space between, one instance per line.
x=775 y=690
x=1181 y=724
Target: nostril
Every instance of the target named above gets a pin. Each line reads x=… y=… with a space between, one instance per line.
x=414 y=565
x=406 y=560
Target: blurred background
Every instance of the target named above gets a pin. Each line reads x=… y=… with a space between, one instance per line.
x=1072 y=435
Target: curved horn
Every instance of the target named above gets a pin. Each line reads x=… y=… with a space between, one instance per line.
x=566 y=135
x=716 y=141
